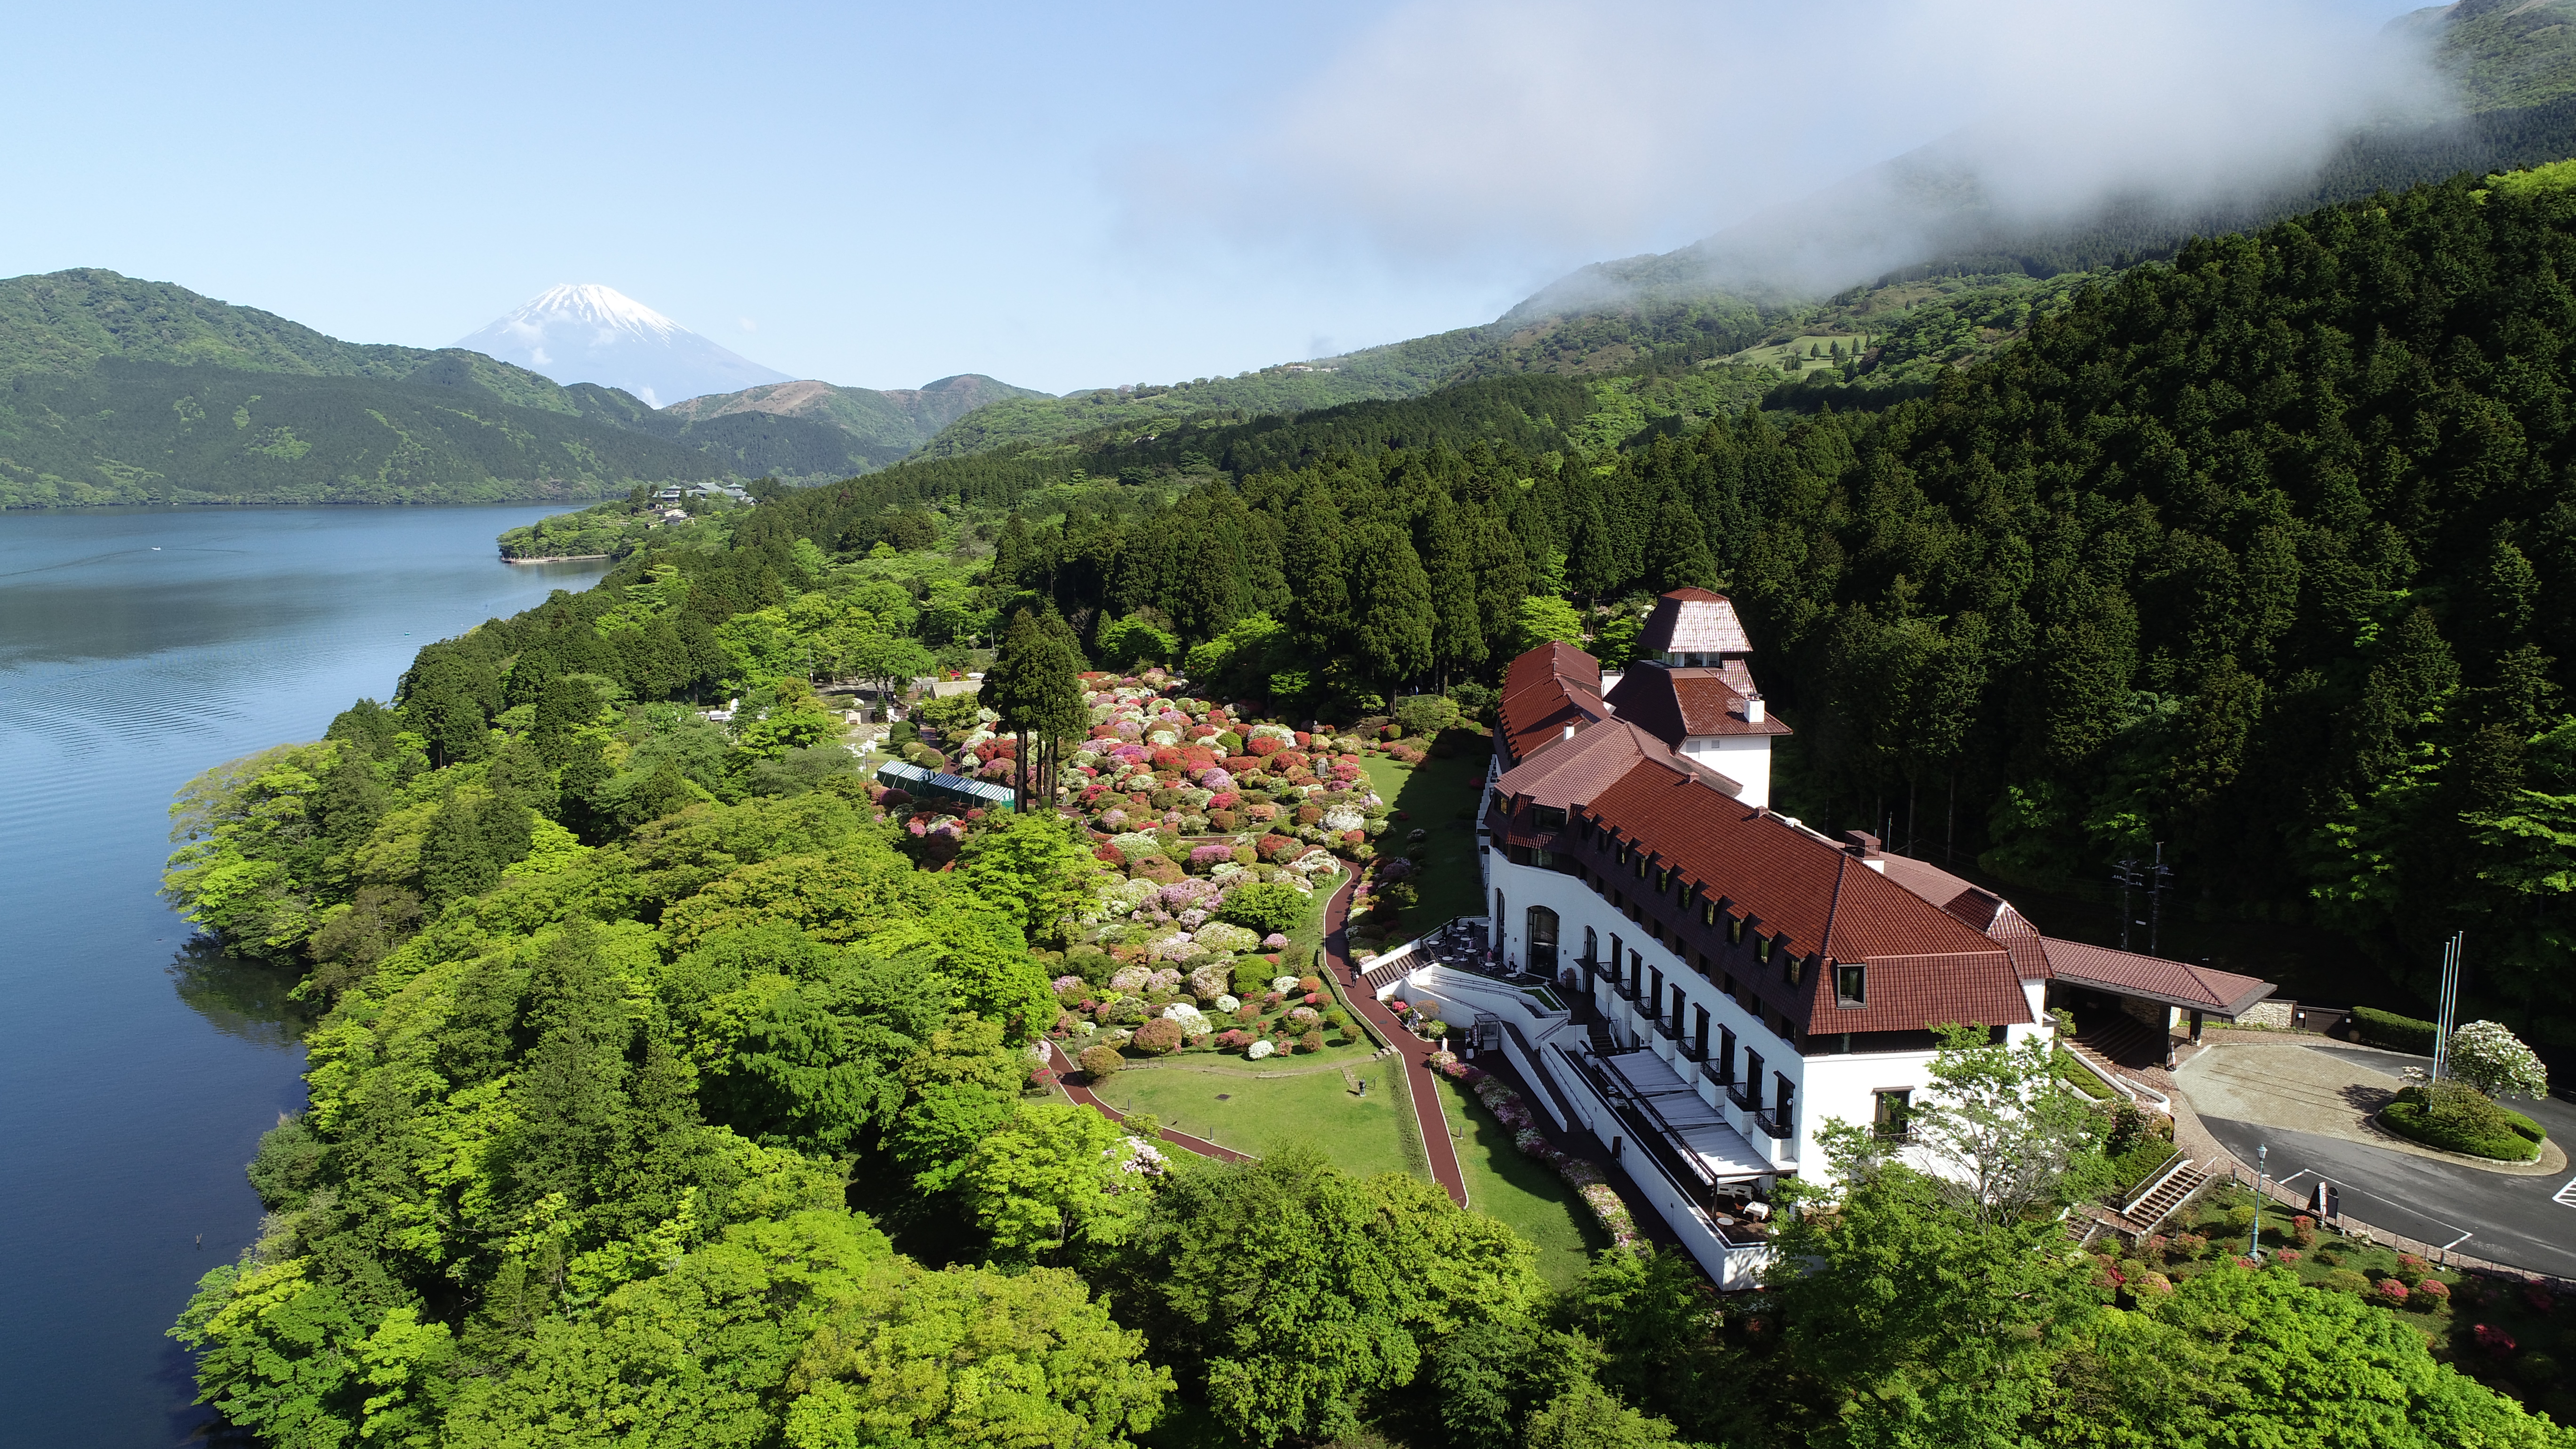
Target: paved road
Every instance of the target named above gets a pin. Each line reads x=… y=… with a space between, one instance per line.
x=2529 y=1222
x=1436 y=1145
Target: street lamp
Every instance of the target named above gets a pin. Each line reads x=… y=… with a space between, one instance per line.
x=2262 y=1180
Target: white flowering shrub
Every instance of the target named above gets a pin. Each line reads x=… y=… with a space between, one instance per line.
x=1232 y=940
x=2489 y=1057
x=1227 y=1004
x=1259 y=1049
x=1193 y=1021
x=1342 y=818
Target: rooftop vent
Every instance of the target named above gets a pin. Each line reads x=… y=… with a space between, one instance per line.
x=1753 y=709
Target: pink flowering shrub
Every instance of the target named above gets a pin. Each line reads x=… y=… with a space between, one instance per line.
x=2496 y=1343
x=2430 y=1294
x=2392 y=1292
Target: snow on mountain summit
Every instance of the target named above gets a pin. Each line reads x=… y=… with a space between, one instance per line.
x=590 y=333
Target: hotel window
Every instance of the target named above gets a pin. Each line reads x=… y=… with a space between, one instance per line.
x=1623 y=853
x=1894 y=1106
x=1547 y=817
x=1792 y=965
x=1641 y=867
x=1708 y=913
x=1735 y=931
x=1851 y=986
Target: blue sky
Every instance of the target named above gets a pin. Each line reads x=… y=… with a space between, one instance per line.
x=1059 y=195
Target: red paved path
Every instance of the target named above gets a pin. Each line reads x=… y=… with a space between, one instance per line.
x=1418 y=1075
x=1428 y=1118
x=1071 y=1081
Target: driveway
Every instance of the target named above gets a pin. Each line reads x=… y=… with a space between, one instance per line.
x=2307 y=1103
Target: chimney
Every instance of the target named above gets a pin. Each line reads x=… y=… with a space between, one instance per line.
x=1753 y=709
x=1569 y=731
x=1860 y=843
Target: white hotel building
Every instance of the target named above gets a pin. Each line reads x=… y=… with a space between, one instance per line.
x=1749 y=977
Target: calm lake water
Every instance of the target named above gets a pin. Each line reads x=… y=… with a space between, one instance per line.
x=137 y=647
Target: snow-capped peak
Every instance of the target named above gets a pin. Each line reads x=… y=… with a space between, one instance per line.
x=592 y=304
x=584 y=332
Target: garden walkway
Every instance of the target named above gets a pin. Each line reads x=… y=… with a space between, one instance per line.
x=1425 y=1087
x=1069 y=1077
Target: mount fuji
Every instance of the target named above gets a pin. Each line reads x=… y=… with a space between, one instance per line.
x=591 y=333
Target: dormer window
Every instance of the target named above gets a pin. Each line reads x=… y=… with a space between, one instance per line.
x=1735 y=931
x=1792 y=965
x=1623 y=853
x=1547 y=817
x=1851 y=985
x=1708 y=913
x=1663 y=880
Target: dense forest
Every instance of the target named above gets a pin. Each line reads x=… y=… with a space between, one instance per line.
x=673 y=1091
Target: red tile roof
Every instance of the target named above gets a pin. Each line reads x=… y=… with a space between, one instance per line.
x=2176 y=983
x=1693 y=621
x=1678 y=703
x=1545 y=690
x=1926 y=966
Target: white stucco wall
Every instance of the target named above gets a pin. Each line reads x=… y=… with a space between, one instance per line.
x=1829 y=1085
x=1745 y=759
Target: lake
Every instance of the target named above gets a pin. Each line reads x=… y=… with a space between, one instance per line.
x=137 y=647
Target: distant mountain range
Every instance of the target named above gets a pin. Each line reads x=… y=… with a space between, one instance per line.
x=595 y=334
x=118 y=390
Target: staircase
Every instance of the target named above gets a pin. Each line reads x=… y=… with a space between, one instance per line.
x=2165 y=1196
x=2122 y=1042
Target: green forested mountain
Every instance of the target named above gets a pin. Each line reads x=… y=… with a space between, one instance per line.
x=2502 y=54
x=133 y=432
x=85 y=421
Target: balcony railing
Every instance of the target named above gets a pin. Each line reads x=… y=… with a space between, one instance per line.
x=1666 y=1028
x=1692 y=1051
x=1770 y=1124
x=1626 y=989
x=1722 y=1075
x=1742 y=1099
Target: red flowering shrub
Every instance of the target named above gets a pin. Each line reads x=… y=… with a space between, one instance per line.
x=1276 y=848
x=2430 y=1294
x=1303 y=739
x=1313 y=998
x=1163 y=757
x=1248 y=1012
x=1159 y=1036
x=2392 y=1292
x=1232 y=1040
x=1310 y=983
x=2303 y=1231
x=1265 y=746
x=1309 y=814
x=1289 y=760
x=2496 y=1342
x=1242 y=765
x=1197 y=757
x=1108 y=855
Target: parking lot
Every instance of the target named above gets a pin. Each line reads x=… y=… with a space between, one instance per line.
x=2309 y=1103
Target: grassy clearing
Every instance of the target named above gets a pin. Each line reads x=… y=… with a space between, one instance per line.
x=1525 y=1195
x=1266 y=1115
x=1439 y=798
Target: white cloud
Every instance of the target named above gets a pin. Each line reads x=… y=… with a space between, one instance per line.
x=1517 y=132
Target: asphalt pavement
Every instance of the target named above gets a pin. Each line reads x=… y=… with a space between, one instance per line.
x=2529 y=1222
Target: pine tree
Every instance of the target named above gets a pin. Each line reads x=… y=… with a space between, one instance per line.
x=1447 y=553
x=1395 y=604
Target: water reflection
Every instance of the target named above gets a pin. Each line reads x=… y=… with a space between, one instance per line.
x=241 y=997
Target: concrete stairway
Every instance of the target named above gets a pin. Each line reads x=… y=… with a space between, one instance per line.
x=2172 y=1193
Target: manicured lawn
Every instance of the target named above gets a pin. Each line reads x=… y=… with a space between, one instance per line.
x=1524 y=1194
x=1440 y=797
x=1264 y=1115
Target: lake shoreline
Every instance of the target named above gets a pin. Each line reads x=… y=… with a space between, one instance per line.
x=555 y=558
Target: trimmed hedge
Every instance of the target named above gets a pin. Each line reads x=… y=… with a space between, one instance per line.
x=2388 y=1029
x=2484 y=1130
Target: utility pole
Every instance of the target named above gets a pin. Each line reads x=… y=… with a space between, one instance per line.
x=2127 y=877
x=2450 y=1003
x=2157 y=875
